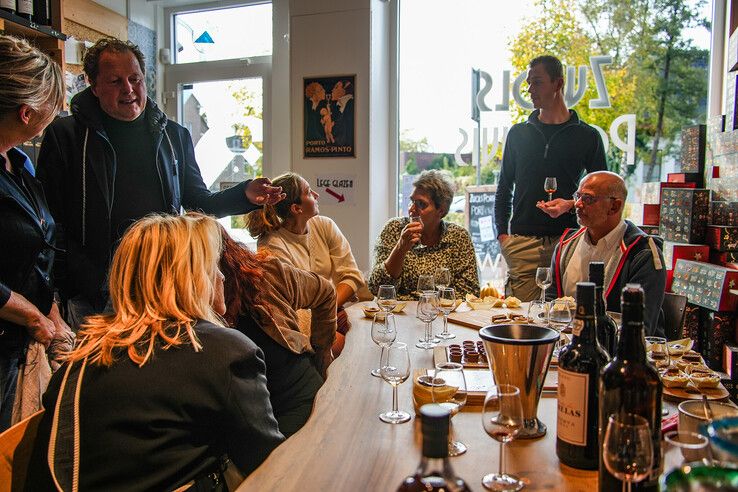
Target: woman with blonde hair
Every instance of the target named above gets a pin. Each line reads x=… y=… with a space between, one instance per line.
x=31 y=94
x=164 y=391
x=293 y=231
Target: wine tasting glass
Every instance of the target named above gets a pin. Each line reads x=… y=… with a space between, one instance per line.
x=550 y=186
x=682 y=447
x=658 y=344
x=416 y=218
x=384 y=332
x=442 y=277
x=427 y=311
x=395 y=369
x=543 y=280
x=446 y=303
x=426 y=283
x=449 y=391
x=628 y=450
x=502 y=418
x=538 y=312
x=387 y=298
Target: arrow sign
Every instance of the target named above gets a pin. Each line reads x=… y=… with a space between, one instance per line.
x=332 y=193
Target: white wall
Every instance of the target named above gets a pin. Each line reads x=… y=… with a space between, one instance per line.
x=329 y=38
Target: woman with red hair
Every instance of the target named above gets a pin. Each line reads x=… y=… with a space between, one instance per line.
x=262 y=295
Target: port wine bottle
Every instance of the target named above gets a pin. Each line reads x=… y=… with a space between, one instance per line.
x=630 y=384
x=434 y=473
x=42 y=12
x=580 y=364
x=607 y=329
x=24 y=8
x=8 y=6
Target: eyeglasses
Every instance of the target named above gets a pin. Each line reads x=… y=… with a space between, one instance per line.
x=588 y=199
x=419 y=204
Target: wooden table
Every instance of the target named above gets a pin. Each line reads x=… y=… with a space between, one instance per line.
x=345 y=447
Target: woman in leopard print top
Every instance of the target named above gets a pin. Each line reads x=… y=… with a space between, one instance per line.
x=407 y=249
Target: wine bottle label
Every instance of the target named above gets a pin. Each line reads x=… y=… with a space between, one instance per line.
x=571 y=421
x=25 y=6
x=577 y=326
x=7 y=4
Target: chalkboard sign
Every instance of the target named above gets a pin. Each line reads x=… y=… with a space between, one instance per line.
x=480 y=222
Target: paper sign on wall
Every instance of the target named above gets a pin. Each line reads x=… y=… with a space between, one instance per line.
x=486 y=231
x=336 y=188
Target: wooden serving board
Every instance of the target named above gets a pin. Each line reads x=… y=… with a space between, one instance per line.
x=692 y=393
x=479 y=318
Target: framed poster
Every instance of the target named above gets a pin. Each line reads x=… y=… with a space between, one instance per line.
x=328 y=116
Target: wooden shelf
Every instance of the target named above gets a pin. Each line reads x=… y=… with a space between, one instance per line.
x=13 y=24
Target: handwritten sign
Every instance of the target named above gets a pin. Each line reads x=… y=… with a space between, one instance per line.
x=480 y=222
x=336 y=188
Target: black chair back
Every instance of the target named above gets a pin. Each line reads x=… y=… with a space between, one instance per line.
x=673 y=307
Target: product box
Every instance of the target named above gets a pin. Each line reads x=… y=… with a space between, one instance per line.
x=673 y=251
x=705 y=284
x=725 y=188
x=684 y=213
x=724 y=213
x=693 y=149
x=732 y=53
x=728 y=259
x=685 y=178
x=730 y=360
x=718 y=328
x=730 y=102
x=651 y=214
x=722 y=238
x=692 y=320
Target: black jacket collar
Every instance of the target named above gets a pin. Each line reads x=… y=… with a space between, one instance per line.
x=86 y=109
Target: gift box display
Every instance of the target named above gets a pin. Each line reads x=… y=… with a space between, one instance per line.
x=725 y=188
x=724 y=213
x=705 y=284
x=673 y=251
x=730 y=101
x=730 y=360
x=692 y=320
x=722 y=238
x=684 y=214
x=651 y=213
x=685 y=178
x=693 y=149
x=718 y=328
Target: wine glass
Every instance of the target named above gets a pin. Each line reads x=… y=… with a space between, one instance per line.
x=538 y=312
x=449 y=391
x=426 y=283
x=446 y=303
x=442 y=277
x=387 y=297
x=550 y=187
x=384 y=332
x=628 y=450
x=395 y=369
x=427 y=311
x=502 y=418
x=682 y=447
x=416 y=218
x=543 y=280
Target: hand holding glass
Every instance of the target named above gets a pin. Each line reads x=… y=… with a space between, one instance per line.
x=395 y=369
x=384 y=332
x=628 y=450
x=416 y=218
x=550 y=186
x=446 y=303
x=449 y=391
x=502 y=419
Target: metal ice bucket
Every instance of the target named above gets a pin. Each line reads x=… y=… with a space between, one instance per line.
x=520 y=355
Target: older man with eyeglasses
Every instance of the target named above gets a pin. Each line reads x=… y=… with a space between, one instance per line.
x=629 y=254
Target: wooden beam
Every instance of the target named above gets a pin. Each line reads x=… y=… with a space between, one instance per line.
x=96 y=17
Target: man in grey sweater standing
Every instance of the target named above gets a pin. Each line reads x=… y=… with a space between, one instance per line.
x=553 y=142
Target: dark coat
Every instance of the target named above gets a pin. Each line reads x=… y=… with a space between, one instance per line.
x=27 y=237
x=81 y=195
x=158 y=426
x=641 y=262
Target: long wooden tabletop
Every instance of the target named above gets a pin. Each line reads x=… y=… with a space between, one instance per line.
x=345 y=447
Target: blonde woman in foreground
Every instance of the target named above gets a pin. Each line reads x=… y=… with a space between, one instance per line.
x=165 y=390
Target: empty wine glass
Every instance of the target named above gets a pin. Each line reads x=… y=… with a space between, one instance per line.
x=387 y=297
x=449 y=391
x=426 y=283
x=538 y=312
x=550 y=186
x=416 y=218
x=628 y=450
x=446 y=303
x=543 y=280
x=683 y=447
x=384 y=332
x=395 y=369
x=502 y=418
x=427 y=311
x=442 y=277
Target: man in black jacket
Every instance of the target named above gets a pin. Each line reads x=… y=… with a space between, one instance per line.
x=554 y=142
x=116 y=159
x=629 y=254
